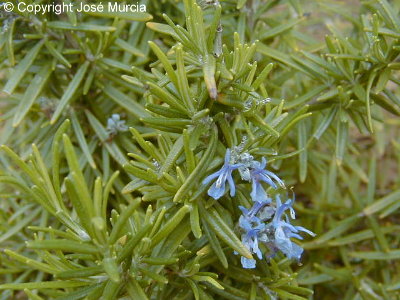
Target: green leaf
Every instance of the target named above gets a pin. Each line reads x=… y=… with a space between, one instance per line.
x=31 y=295
x=81 y=272
x=79 y=27
x=32 y=92
x=81 y=139
x=36 y=265
x=42 y=285
x=57 y=55
x=360 y=236
x=80 y=292
x=157 y=277
x=383 y=80
x=382 y=203
x=336 y=230
x=9 y=42
x=376 y=255
x=111 y=268
x=195 y=221
x=221 y=229
x=284 y=294
x=303 y=156
x=305 y=97
x=200 y=168
x=257 y=120
x=22 y=67
x=133 y=242
x=368 y=101
x=194 y=288
x=111 y=147
x=172 y=223
x=215 y=245
x=135 y=291
x=166 y=97
x=70 y=91
x=263 y=75
x=388 y=13
x=167 y=122
x=165 y=62
x=267 y=34
x=209 y=280
x=159 y=261
x=341 y=140
x=162 y=28
x=123 y=100
x=108 y=62
x=77 y=178
x=209 y=76
x=64 y=245
x=240 y=4
x=279 y=56
x=173 y=155
x=55 y=151
x=326 y=121
x=122 y=220
x=111 y=290
x=19 y=225
x=182 y=81
x=129 y=48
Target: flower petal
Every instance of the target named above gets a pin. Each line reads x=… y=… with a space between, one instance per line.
x=258 y=193
x=248 y=263
x=300 y=228
x=211 y=177
x=277 y=179
x=231 y=185
x=264 y=177
x=227 y=157
x=216 y=192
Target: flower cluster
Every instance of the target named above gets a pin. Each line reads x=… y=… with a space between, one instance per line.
x=249 y=170
x=217 y=189
x=115 y=125
x=267 y=221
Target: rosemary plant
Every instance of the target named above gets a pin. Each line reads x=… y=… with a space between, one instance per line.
x=241 y=149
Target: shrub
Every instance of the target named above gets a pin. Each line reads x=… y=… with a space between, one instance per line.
x=157 y=155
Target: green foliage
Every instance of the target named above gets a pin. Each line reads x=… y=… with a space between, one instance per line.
x=89 y=214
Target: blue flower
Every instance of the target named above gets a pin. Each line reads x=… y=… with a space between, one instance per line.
x=258 y=175
x=115 y=124
x=225 y=173
x=259 y=209
x=284 y=230
x=269 y=224
x=253 y=228
x=248 y=263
